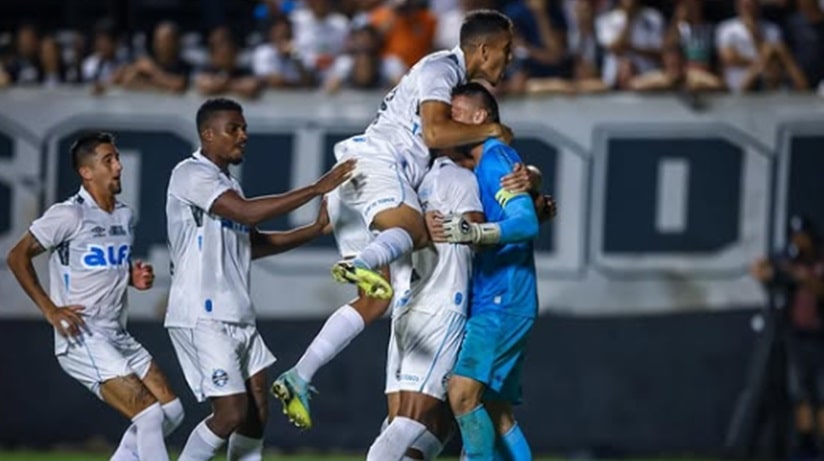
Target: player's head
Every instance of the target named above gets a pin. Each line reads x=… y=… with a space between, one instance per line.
x=97 y=161
x=222 y=129
x=473 y=104
x=486 y=40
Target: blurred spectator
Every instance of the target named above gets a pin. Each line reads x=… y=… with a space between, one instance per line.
x=584 y=49
x=448 y=31
x=676 y=74
x=277 y=62
x=363 y=67
x=24 y=66
x=407 y=27
x=805 y=34
x=773 y=70
x=739 y=40
x=690 y=30
x=320 y=35
x=540 y=42
x=54 y=67
x=633 y=36
x=224 y=75
x=798 y=274
x=103 y=67
x=164 y=69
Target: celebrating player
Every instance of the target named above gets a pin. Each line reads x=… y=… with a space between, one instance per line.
x=210 y=318
x=90 y=239
x=393 y=156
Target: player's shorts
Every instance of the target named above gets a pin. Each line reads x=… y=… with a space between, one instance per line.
x=422 y=351
x=493 y=353
x=218 y=357
x=102 y=357
x=379 y=181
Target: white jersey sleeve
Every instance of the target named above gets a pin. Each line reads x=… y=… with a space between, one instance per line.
x=437 y=79
x=194 y=183
x=60 y=223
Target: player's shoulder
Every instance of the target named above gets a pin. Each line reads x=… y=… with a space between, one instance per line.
x=71 y=208
x=440 y=61
x=496 y=151
x=190 y=167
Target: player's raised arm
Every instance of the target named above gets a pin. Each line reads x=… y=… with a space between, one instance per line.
x=272 y=243
x=253 y=211
x=440 y=131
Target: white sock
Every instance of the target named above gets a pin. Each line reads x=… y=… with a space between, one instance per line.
x=429 y=445
x=387 y=246
x=202 y=445
x=243 y=448
x=339 y=330
x=392 y=444
x=149 y=423
x=172 y=417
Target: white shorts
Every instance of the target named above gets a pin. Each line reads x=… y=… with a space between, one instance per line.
x=218 y=357
x=379 y=182
x=422 y=351
x=102 y=357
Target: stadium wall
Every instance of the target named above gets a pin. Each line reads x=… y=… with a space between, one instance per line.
x=663 y=204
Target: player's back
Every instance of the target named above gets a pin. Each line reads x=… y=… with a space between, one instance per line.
x=503 y=276
x=445 y=270
x=398 y=121
x=210 y=255
x=89 y=263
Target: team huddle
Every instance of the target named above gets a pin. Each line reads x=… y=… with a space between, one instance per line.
x=434 y=216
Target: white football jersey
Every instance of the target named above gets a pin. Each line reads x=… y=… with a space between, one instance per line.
x=446 y=269
x=210 y=256
x=89 y=263
x=398 y=121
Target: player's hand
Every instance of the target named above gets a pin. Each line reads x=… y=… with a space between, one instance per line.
x=545 y=207
x=518 y=181
x=434 y=224
x=504 y=133
x=142 y=275
x=459 y=230
x=67 y=320
x=334 y=177
x=322 y=221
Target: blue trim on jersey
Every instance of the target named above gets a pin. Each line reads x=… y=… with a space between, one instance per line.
x=66 y=281
x=450 y=329
x=400 y=186
x=94 y=365
x=199 y=243
x=198 y=364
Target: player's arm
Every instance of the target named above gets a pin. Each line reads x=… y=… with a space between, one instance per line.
x=441 y=132
x=271 y=243
x=253 y=211
x=520 y=221
x=66 y=320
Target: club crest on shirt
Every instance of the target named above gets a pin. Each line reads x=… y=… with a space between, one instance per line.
x=220 y=377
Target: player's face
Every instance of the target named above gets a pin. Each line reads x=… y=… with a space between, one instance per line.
x=496 y=55
x=229 y=137
x=467 y=109
x=104 y=169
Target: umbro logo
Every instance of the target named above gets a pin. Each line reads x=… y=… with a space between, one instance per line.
x=98 y=231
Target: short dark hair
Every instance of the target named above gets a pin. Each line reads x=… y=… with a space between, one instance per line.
x=475 y=89
x=213 y=106
x=482 y=23
x=83 y=147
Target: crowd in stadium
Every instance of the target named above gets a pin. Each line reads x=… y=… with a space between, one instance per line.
x=562 y=47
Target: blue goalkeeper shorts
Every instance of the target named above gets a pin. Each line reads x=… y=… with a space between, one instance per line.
x=493 y=352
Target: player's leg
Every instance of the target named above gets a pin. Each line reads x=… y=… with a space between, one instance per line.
x=130 y=397
x=428 y=345
x=512 y=444
x=473 y=371
x=246 y=443
x=208 y=356
x=140 y=361
x=101 y=366
x=387 y=203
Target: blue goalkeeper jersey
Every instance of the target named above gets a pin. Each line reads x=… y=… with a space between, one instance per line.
x=503 y=275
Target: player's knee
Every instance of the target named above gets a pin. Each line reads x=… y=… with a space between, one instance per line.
x=229 y=417
x=370 y=309
x=173 y=415
x=462 y=399
x=263 y=414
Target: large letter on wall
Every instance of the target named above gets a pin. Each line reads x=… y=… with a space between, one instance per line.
x=690 y=200
x=801 y=176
